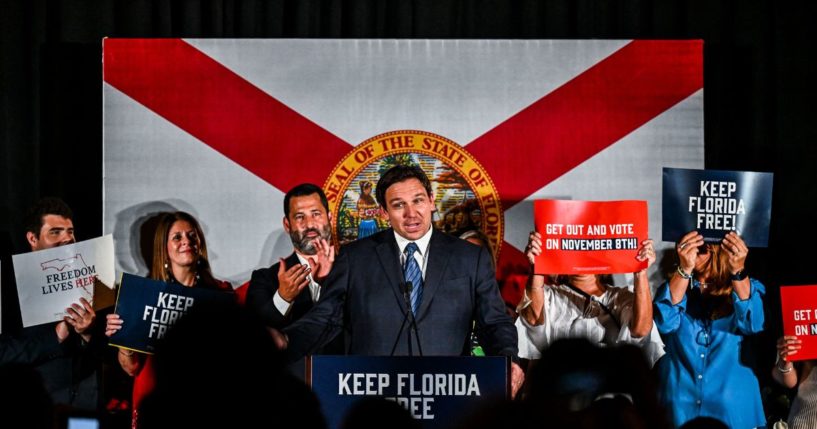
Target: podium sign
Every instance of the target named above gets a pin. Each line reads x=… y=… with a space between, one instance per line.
x=438 y=391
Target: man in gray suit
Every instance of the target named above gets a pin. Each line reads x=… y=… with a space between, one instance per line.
x=452 y=285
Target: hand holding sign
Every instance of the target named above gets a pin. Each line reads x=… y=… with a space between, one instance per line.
x=81 y=316
x=646 y=253
x=534 y=247
x=788 y=345
x=688 y=249
x=737 y=250
x=113 y=324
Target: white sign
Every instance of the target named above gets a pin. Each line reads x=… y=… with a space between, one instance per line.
x=50 y=280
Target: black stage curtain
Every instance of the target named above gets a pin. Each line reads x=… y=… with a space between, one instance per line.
x=760 y=63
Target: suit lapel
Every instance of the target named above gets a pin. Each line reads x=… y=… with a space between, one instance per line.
x=437 y=261
x=389 y=256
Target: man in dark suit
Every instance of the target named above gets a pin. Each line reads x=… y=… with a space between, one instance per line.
x=284 y=292
x=66 y=354
x=452 y=285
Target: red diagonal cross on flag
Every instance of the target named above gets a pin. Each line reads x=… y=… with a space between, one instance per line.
x=533 y=147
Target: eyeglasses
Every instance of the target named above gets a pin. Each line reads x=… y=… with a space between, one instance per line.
x=703 y=249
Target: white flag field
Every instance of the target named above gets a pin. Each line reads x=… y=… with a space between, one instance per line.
x=223 y=128
x=50 y=280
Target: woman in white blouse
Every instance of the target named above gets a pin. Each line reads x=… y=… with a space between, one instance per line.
x=582 y=306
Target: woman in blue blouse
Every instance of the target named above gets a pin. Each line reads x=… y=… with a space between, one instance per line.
x=703 y=313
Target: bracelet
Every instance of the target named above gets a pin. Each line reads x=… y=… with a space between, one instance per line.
x=739 y=276
x=683 y=273
x=777 y=365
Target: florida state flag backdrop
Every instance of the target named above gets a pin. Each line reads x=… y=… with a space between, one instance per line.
x=223 y=128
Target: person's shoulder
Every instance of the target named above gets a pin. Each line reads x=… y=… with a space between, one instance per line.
x=223 y=285
x=454 y=243
x=372 y=241
x=620 y=294
x=441 y=237
x=272 y=270
x=262 y=274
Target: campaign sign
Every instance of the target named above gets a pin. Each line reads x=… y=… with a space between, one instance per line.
x=799 y=305
x=590 y=237
x=438 y=391
x=148 y=308
x=50 y=280
x=714 y=202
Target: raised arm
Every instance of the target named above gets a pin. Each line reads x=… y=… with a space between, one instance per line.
x=533 y=311
x=641 y=324
x=783 y=371
x=687 y=249
x=271 y=293
x=129 y=360
x=737 y=251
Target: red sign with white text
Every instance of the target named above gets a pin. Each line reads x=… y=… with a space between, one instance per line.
x=799 y=309
x=590 y=237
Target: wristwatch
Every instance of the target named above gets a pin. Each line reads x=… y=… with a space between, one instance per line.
x=740 y=275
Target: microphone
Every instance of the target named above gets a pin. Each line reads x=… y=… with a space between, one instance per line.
x=407 y=287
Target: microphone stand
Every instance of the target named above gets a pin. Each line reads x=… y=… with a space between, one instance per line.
x=406 y=286
x=412 y=320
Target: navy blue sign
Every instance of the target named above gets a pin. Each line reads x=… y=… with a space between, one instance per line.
x=714 y=202
x=438 y=391
x=149 y=307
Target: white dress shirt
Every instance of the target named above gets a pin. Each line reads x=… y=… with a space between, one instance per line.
x=421 y=255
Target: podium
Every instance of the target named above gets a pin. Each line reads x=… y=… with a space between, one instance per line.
x=436 y=390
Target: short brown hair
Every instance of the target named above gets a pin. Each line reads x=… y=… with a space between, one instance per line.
x=397 y=174
x=45 y=206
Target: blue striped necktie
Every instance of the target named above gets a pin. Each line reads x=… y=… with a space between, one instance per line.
x=413 y=274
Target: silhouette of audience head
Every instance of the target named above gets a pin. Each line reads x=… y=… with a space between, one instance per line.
x=704 y=423
x=24 y=398
x=217 y=367
x=375 y=413
x=578 y=384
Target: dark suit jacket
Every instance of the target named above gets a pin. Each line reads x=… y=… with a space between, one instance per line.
x=71 y=370
x=39 y=342
x=262 y=288
x=363 y=296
